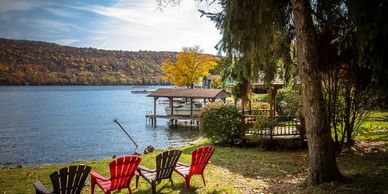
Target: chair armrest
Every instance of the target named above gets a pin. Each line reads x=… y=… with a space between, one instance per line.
x=140 y=168
x=97 y=176
x=87 y=182
x=182 y=164
x=39 y=187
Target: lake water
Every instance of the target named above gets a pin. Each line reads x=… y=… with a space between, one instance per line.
x=55 y=124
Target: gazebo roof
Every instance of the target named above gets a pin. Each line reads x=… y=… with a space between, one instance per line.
x=275 y=82
x=189 y=93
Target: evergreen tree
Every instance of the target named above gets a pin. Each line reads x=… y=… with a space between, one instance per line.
x=257 y=37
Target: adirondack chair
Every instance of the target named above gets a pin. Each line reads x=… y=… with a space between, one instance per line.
x=121 y=172
x=67 y=180
x=165 y=163
x=199 y=159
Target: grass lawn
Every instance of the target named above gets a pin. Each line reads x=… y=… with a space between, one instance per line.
x=375 y=128
x=250 y=170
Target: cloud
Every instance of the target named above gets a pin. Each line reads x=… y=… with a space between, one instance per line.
x=60 y=12
x=131 y=25
x=124 y=25
x=55 y=26
x=21 y=5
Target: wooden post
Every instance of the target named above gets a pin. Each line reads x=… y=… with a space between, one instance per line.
x=191 y=107
x=171 y=105
x=155 y=99
x=250 y=106
x=271 y=101
x=242 y=107
x=275 y=91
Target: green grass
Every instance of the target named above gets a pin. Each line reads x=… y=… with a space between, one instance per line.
x=233 y=170
x=238 y=170
x=375 y=128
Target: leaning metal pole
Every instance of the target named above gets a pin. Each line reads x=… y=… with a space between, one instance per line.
x=115 y=120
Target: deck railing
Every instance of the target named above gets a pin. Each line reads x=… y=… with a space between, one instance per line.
x=262 y=112
x=283 y=126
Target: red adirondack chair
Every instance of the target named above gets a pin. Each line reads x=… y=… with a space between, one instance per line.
x=199 y=159
x=121 y=172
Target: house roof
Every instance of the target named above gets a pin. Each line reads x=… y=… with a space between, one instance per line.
x=211 y=77
x=189 y=93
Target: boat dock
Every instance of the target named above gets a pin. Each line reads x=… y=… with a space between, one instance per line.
x=173 y=119
x=141 y=91
x=189 y=95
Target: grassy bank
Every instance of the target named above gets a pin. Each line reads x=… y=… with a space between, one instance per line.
x=250 y=170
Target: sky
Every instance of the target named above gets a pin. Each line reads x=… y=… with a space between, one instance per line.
x=109 y=24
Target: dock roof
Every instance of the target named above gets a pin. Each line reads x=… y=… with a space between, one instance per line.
x=189 y=93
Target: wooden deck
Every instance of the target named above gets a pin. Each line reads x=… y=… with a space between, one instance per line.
x=286 y=128
x=189 y=95
x=173 y=119
x=278 y=132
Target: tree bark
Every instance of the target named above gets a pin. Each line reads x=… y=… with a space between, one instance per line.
x=323 y=166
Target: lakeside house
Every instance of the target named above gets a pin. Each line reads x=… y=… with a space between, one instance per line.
x=206 y=81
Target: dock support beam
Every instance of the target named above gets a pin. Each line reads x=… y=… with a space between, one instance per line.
x=171 y=105
x=191 y=107
x=153 y=119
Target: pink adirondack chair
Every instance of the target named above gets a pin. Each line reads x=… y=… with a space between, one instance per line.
x=121 y=172
x=199 y=159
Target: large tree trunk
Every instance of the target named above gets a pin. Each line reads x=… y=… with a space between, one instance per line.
x=323 y=166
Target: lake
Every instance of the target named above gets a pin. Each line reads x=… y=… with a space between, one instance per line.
x=56 y=124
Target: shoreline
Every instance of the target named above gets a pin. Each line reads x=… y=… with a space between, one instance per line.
x=199 y=140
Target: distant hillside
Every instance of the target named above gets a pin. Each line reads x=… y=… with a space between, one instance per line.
x=40 y=63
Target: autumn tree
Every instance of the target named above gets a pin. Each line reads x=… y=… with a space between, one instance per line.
x=51 y=64
x=190 y=66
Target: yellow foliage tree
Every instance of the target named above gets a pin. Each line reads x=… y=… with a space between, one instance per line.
x=189 y=67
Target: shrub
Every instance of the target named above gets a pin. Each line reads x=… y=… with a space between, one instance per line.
x=260 y=105
x=221 y=123
x=260 y=97
x=288 y=101
x=263 y=126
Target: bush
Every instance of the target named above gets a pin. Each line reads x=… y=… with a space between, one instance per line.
x=260 y=105
x=221 y=123
x=263 y=127
x=260 y=97
x=288 y=101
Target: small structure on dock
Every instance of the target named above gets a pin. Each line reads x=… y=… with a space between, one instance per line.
x=189 y=95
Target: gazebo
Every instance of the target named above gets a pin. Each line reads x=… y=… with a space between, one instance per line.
x=272 y=90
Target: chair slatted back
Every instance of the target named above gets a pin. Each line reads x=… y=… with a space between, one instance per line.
x=70 y=180
x=165 y=163
x=122 y=170
x=200 y=158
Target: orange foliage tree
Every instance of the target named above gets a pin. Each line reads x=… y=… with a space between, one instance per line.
x=190 y=66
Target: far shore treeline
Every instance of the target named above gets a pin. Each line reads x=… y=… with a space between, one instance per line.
x=40 y=63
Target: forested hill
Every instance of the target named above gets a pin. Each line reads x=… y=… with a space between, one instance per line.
x=39 y=63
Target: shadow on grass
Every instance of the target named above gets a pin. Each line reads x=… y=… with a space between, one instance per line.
x=363 y=174
x=374 y=134
x=165 y=187
x=252 y=169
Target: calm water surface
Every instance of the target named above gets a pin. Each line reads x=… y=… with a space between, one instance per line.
x=54 y=124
